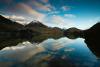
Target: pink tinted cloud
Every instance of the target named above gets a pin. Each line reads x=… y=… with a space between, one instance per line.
x=29 y=10
x=41 y=6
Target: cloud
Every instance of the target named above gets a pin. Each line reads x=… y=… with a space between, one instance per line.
x=55 y=45
x=16 y=18
x=34 y=10
x=29 y=10
x=66 y=8
x=31 y=54
x=59 y=21
x=41 y=6
x=70 y=15
x=19 y=54
x=19 y=19
x=54 y=20
x=53 y=12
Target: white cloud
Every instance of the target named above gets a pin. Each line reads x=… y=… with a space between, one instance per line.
x=19 y=19
x=40 y=6
x=58 y=21
x=66 y=8
x=53 y=12
x=70 y=15
x=14 y=17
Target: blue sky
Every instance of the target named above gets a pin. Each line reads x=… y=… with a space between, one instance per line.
x=61 y=13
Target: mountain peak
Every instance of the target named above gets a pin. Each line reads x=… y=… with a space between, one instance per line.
x=36 y=23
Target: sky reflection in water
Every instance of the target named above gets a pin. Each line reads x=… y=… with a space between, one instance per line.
x=50 y=53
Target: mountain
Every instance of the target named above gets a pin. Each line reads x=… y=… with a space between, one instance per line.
x=42 y=31
x=10 y=29
x=7 y=24
x=36 y=24
x=12 y=32
x=36 y=28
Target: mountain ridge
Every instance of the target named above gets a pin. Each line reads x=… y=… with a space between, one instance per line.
x=12 y=32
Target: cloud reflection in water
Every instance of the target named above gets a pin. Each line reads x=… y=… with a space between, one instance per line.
x=46 y=54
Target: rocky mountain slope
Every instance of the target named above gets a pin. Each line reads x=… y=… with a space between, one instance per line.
x=35 y=31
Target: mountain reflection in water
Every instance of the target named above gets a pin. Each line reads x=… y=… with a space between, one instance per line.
x=61 y=52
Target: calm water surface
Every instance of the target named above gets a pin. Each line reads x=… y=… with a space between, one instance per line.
x=62 y=52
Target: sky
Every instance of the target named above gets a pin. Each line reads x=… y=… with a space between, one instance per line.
x=56 y=13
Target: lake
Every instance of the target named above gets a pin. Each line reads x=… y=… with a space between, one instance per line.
x=61 y=52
